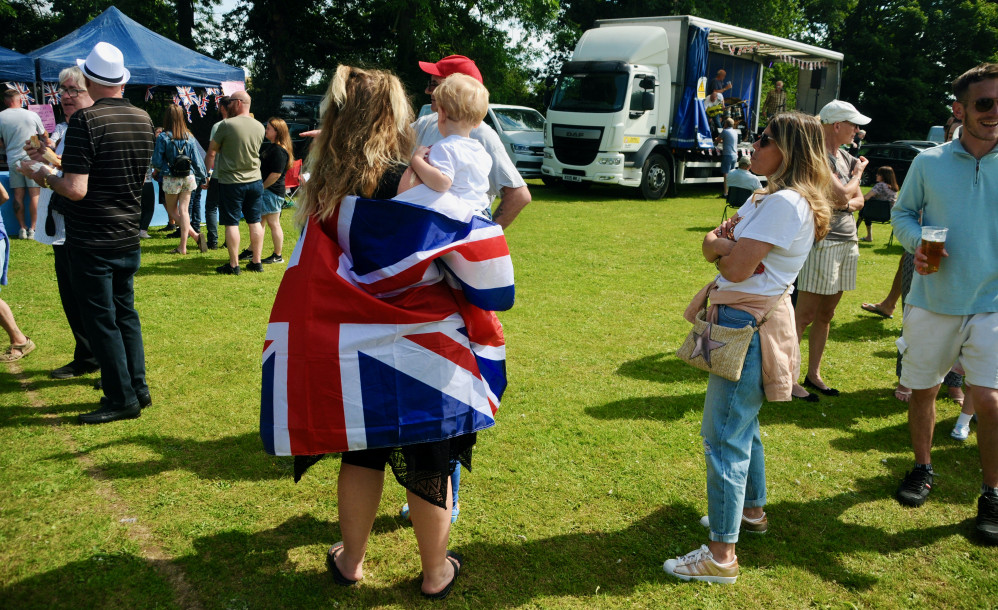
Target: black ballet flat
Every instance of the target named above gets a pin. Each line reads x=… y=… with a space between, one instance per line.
x=826 y=391
x=809 y=398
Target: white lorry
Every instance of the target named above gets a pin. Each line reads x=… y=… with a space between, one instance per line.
x=627 y=107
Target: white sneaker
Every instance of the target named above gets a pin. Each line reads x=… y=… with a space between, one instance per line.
x=31 y=233
x=700 y=565
x=22 y=234
x=960 y=433
x=143 y=234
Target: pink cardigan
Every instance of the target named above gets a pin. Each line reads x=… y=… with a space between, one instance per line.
x=777 y=337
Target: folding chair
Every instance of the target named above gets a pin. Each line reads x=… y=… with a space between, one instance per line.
x=879 y=211
x=736 y=197
x=292 y=182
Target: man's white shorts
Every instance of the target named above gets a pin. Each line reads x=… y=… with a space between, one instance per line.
x=932 y=342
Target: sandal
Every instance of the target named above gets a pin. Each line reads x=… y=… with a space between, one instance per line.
x=875 y=309
x=955 y=394
x=18 y=351
x=338 y=576
x=902 y=393
x=457 y=561
x=176 y=251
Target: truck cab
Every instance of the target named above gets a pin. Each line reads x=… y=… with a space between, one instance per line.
x=609 y=111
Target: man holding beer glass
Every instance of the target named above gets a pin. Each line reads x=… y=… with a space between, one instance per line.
x=952 y=309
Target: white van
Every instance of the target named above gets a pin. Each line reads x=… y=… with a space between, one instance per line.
x=521 y=130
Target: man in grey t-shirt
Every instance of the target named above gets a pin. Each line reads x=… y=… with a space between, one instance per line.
x=17 y=125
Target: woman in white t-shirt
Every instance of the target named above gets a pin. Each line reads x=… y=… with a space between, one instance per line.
x=758 y=253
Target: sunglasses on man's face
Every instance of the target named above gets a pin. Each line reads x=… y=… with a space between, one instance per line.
x=984 y=104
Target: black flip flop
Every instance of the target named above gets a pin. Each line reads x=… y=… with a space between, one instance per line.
x=338 y=576
x=872 y=308
x=457 y=561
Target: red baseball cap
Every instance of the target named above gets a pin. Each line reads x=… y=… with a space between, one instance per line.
x=452 y=64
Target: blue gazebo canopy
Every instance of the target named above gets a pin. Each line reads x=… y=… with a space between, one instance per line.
x=16 y=67
x=152 y=59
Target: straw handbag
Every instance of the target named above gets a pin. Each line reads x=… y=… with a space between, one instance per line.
x=719 y=349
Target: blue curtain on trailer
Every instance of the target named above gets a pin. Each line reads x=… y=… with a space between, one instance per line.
x=691 y=129
x=742 y=73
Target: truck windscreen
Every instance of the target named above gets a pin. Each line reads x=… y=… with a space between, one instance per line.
x=594 y=92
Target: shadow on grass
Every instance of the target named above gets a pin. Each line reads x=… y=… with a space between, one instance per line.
x=663 y=367
x=233 y=458
x=239 y=569
x=103 y=580
x=43 y=416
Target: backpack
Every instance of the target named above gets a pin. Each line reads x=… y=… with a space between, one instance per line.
x=181 y=165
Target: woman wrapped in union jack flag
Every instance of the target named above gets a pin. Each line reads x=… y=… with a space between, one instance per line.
x=382 y=343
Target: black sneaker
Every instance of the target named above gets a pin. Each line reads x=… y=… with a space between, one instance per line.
x=170 y=228
x=175 y=234
x=915 y=487
x=227 y=270
x=246 y=255
x=273 y=258
x=257 y=267
x=987 y=518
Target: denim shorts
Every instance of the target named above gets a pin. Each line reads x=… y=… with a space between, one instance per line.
x=236 y=199
x=272 y=203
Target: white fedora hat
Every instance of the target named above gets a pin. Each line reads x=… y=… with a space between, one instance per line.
x=105 y=65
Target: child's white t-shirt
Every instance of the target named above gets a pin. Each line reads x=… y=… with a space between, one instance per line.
x=467 y=164
x=785 y=220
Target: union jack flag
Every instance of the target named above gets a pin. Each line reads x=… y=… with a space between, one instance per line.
x=149 y=93
x=203 y=105
x=212 y=91
x=51 y=92
x=382 y=333
x=176 y=100
x=187 y=96
x=26 y=97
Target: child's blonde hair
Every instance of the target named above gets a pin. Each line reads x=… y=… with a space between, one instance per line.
x=462 y=98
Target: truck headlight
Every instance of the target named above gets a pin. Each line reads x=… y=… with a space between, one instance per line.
x=548 y=155
x=608 y=161
x=521 y=149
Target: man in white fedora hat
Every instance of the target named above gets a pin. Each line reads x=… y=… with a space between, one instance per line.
x=108 y=150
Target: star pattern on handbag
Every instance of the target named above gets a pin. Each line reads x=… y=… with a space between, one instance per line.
x=704 y=344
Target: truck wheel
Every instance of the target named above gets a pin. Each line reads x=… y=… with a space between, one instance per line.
x=656 y=176
x=550 y=181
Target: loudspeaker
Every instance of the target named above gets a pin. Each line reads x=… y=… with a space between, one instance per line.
x=818 y=78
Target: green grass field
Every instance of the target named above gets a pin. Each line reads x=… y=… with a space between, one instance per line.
x=593 y=476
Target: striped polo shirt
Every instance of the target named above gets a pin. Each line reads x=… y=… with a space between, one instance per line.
x=111 y=142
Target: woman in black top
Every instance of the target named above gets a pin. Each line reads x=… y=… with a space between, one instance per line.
x=276 y=157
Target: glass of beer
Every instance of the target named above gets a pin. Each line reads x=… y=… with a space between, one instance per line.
x=933 y=240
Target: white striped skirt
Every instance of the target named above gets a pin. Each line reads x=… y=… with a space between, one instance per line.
x=830 y=268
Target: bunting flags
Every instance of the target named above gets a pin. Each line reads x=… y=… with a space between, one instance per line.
x=51 y=92
x=149 y=93
x=189 y=99
x=22 y=88
x=733 y=49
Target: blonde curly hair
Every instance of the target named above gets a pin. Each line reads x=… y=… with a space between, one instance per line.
x=365 y=131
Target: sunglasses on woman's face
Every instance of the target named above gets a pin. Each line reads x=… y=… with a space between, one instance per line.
x=984 y=104
x=764 y=140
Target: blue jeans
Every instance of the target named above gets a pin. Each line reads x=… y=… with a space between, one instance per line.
x=82 y=355
x=102 y=282
x=194 y=209
x=211 y=211
x=736 y=470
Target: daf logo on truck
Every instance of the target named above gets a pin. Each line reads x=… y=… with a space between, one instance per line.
x=586 y=134
x=625 y=111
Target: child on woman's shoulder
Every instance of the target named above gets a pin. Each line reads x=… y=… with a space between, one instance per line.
x=457 y=163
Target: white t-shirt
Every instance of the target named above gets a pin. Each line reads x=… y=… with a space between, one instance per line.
x=467 y=164
x=44 y=195
x=503 y=172
x=785 y=220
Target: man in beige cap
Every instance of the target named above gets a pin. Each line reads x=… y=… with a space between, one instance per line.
x=830 y=269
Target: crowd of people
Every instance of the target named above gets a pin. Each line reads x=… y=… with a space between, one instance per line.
x=382 y=186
